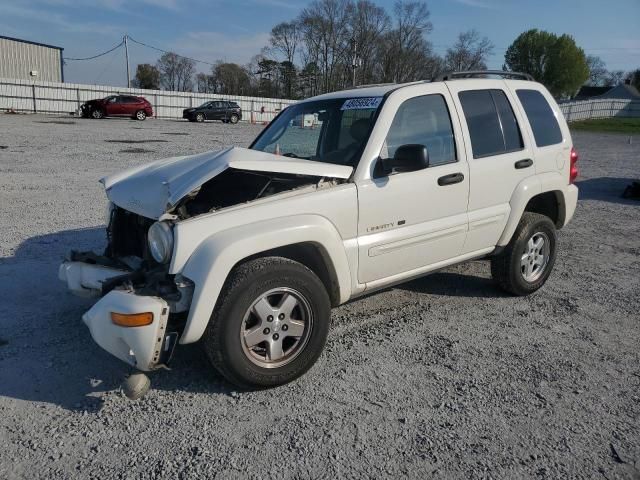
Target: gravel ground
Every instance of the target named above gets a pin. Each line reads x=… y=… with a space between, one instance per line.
x=441 y=377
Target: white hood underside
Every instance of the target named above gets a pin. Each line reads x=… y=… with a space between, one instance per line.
x=153 y=189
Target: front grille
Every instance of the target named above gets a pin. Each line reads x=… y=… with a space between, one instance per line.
x=127 y=234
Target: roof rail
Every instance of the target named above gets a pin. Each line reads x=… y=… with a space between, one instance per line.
x=476 y=73
x=368 y=85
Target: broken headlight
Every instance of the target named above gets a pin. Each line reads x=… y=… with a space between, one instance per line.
x=160 y=238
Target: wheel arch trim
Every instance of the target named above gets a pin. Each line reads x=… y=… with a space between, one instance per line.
x=214 y=259
x=528 y=189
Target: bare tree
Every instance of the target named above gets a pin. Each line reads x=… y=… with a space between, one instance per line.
x=176 y=72
x=470 y=52
x=597 y=71
x=367 y=24
x=285 y=39
x=404 y=51
x=205 y=83
x=325 y=29
x=614 y=78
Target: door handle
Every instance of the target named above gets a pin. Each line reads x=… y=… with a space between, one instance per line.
x=527 y=162
x=450 y=179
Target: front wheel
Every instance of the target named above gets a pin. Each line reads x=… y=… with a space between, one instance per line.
x=526 y=262
x=270 y=323
x=97 y=113
x=200 y=117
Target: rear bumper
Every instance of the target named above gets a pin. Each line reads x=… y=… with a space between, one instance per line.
x=570 y=203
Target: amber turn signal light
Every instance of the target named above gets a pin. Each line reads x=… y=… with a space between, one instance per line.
x=132 y=319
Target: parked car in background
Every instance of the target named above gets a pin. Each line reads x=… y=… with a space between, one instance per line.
x=137 y=108
x=228 y=112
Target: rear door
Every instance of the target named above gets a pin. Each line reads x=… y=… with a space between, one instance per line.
x=499 y=151
x=130 y=105
x=553 y=146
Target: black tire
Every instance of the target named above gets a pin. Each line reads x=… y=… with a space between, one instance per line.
x=506 y=267
x=234 y=119
x=200 y=117
x=97 y=113
x=222 y=339
x=140 y=115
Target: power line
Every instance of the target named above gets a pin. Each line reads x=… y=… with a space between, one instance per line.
x=165 y=51
x=96 y=56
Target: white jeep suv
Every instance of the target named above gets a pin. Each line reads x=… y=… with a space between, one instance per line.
x=342 y=194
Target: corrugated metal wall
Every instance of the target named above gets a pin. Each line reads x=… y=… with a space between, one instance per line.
x=18 y=59
x=53 y=97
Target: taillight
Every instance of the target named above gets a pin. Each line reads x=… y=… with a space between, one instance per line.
x=573 y=168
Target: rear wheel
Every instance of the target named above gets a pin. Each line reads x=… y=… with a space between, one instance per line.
x=200 y=117
x=526 y=262
x=97 y=113
x=270 y=323
x=140 y=115
x=234 y=119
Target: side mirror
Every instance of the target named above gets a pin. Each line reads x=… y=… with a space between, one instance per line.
x=408 y=158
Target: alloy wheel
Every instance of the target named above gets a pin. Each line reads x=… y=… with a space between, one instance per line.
x=276 y=327
x=535 y=257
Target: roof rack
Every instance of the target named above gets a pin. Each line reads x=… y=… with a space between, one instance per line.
x=477 y=73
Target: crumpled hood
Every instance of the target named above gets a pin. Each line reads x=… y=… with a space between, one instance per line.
x=155 y=188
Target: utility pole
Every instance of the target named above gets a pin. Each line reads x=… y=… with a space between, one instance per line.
x=354 y=62
x=126 y=54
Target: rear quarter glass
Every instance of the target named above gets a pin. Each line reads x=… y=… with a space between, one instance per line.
x=544 y=124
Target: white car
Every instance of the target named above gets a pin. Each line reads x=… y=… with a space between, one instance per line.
x=247 y=250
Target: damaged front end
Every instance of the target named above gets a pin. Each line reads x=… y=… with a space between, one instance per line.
x=143 y=308
x=133 y=287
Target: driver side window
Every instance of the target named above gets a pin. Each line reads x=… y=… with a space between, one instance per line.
x=424 y=121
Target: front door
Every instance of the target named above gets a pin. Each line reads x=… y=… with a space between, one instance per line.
x=500 y=155
x=113 y=106
x=214 y=113
x=411 y=220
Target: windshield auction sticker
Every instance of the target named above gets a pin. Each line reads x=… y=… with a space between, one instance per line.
x=362 y=103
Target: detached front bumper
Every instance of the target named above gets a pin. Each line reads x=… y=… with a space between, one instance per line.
x=86 y=279
x=144 y=347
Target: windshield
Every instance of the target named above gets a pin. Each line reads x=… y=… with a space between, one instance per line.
x=332 y=131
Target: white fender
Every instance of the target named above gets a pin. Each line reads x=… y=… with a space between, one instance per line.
x=525 y=191
x=209 y=266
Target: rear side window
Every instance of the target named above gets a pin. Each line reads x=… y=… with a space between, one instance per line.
x=492 y=124
x=546 y=130
x=424 y=121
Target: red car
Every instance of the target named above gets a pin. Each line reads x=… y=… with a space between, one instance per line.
x=137 y=108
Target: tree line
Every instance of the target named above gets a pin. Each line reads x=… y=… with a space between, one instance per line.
x=335 y=44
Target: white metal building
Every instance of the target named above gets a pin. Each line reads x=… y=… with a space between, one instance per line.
x=25 y=60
